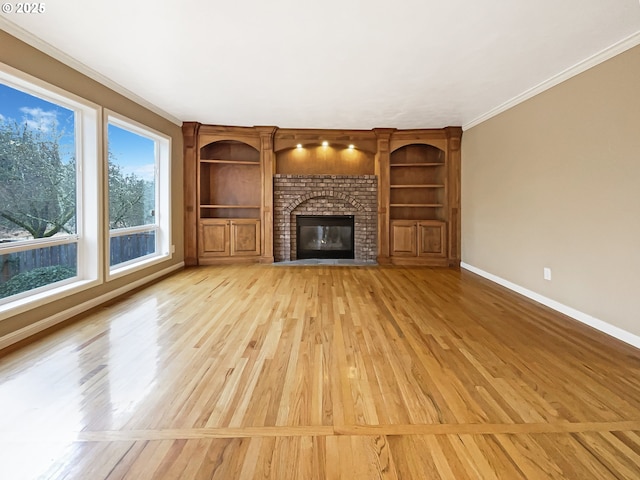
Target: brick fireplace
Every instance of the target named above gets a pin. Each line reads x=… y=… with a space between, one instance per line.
x=332 y=195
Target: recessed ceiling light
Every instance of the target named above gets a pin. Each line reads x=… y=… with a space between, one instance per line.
x=325 y=144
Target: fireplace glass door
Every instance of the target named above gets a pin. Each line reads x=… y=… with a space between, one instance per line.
x=324 y=236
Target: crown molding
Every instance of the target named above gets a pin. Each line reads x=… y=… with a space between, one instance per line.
x=600 y=57
x=39 y=44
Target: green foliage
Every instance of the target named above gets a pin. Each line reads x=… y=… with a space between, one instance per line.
x=38 y=277
x=128 y=197
x=37 y=189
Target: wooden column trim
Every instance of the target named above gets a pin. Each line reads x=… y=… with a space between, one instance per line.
x=190 y=168
x=454 y=157
x=267 y=168
x=382 y=160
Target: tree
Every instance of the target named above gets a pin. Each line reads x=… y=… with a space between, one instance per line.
x=37 y=189
x=128 y=196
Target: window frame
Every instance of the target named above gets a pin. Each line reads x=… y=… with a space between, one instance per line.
x=162 y=225
x=88 y=236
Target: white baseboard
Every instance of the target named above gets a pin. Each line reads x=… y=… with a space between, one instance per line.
x=596 y=323
x=48 y=322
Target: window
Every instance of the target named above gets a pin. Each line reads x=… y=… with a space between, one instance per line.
x=61 y=198
x=49 y=181
x=138 y=192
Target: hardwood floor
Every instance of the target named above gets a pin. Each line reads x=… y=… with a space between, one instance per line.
x=263 y=371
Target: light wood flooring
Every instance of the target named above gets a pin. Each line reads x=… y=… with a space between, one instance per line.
x=321 y=372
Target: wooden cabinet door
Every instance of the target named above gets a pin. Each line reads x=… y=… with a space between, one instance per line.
x=245 y=237
x=403 y=238
x=432 y=239
x=214 y=238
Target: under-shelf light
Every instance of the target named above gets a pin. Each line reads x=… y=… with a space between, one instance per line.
x=299 y=145
x=325 y=144
x=352 y=146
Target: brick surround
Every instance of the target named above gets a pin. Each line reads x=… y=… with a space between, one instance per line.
x=325 y=195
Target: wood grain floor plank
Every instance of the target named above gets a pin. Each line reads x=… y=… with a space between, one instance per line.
x=149 y=459
x=120 y=468
x=414 y=457
x=572 y=458
x=457 y=460
x=610 y=456
x=266 y=371
x=630 y=439
x=531 y=458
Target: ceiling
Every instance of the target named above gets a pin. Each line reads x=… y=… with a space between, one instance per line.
x=331 y=63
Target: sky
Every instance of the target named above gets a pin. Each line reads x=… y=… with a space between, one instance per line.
x=134 y=153
x=38 y=114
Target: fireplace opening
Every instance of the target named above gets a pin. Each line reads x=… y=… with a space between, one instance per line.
x=324 y=236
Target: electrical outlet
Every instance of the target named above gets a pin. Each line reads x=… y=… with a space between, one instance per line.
x=173 y=249
x=546 y=273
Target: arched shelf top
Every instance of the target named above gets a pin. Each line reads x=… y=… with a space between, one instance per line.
x=417 y=153
x=230 y=150
x=399 y=141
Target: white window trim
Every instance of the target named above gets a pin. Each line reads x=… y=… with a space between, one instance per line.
x=26 y=245
x=89 y=231
x=120 y=232
x=162 y=225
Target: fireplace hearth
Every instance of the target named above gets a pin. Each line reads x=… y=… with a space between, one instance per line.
x=324 y=236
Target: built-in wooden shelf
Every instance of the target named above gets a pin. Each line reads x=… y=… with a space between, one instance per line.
x=417 y=186
x=422 y=164
x=230 y=193
x=229 y=206
x=417 y=205
x=233 y=162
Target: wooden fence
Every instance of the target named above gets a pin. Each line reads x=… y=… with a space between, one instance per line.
x=128 y=247
x=123 y=249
